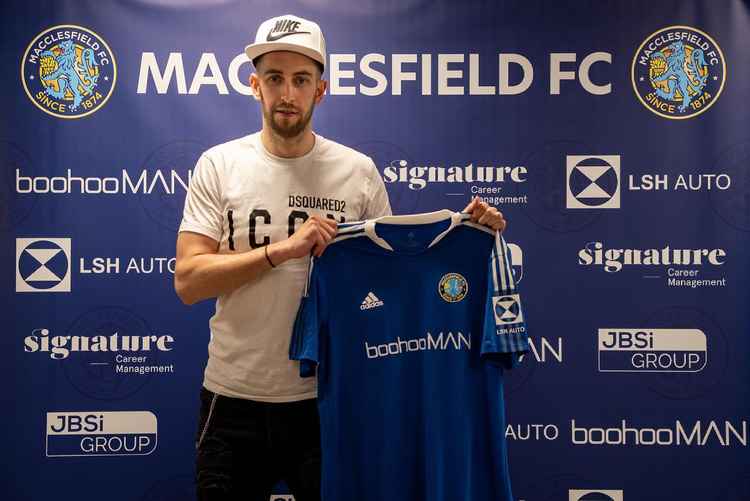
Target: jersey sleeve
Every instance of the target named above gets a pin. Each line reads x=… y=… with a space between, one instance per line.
x=203 y=209
x=504 y=339
x=305 y=342
x=376 y=202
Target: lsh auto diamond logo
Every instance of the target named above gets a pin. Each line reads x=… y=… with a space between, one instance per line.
x=43 y=265
x=595 y=495
x=507 y=309
x=593 y=182
x=68 y=71
x=678 y=72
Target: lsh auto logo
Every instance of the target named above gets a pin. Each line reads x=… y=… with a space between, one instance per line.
x=68 y=71
x=678 y=72
x=507 y=309
x=46 y=265
x=594 y=495
x=593 y=182
x=598 y=182
x=43 y=265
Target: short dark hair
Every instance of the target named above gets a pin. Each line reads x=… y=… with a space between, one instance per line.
x=256 y=61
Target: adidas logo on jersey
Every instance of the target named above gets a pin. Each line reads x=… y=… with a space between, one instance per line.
x=370 y=301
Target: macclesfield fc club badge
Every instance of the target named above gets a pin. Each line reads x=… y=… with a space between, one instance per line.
x=68 y=71
x=678 y=72
x=453 y=287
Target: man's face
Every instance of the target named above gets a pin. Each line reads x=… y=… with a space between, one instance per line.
x=289 y=86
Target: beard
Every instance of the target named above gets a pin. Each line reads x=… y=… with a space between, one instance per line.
x=284 y=128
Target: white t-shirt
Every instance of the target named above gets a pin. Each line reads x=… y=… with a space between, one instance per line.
x=244 y=197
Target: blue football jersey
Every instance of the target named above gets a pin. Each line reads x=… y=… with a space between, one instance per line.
x=410 y=322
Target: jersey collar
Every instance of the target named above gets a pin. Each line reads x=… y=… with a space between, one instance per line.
x=425 y=218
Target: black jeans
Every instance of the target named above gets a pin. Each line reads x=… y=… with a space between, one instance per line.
x=245 y=447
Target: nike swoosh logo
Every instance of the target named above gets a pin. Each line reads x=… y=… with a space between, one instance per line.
x=272 y=38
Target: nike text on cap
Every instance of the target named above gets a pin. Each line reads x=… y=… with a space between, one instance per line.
x=290 y=33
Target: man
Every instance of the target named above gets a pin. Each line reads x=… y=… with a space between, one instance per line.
x=257 y=208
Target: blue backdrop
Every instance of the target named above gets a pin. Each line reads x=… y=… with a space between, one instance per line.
x=612 y=135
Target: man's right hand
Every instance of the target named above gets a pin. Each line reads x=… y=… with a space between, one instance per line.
x=202 y=271
x=312 y=237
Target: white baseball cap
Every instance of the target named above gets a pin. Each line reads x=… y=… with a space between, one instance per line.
x=290 y=33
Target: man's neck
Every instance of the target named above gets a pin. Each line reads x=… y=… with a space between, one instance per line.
x=287 y=147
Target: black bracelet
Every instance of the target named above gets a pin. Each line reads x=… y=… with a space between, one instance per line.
x=268 y=258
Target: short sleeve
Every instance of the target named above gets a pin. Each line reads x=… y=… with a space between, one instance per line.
x=305 y=342
x=505 y=338
x=376 y=202
x=203 y=209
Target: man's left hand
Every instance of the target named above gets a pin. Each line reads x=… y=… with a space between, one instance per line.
x=485 y=215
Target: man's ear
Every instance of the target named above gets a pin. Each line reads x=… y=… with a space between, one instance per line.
x=320 y=90
x=255 y=86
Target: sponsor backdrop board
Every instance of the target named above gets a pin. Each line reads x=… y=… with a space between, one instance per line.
x=613 y=135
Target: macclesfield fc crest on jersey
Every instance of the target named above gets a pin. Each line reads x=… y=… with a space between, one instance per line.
x=678 y=72
x=453 y=287
x=68 y=71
